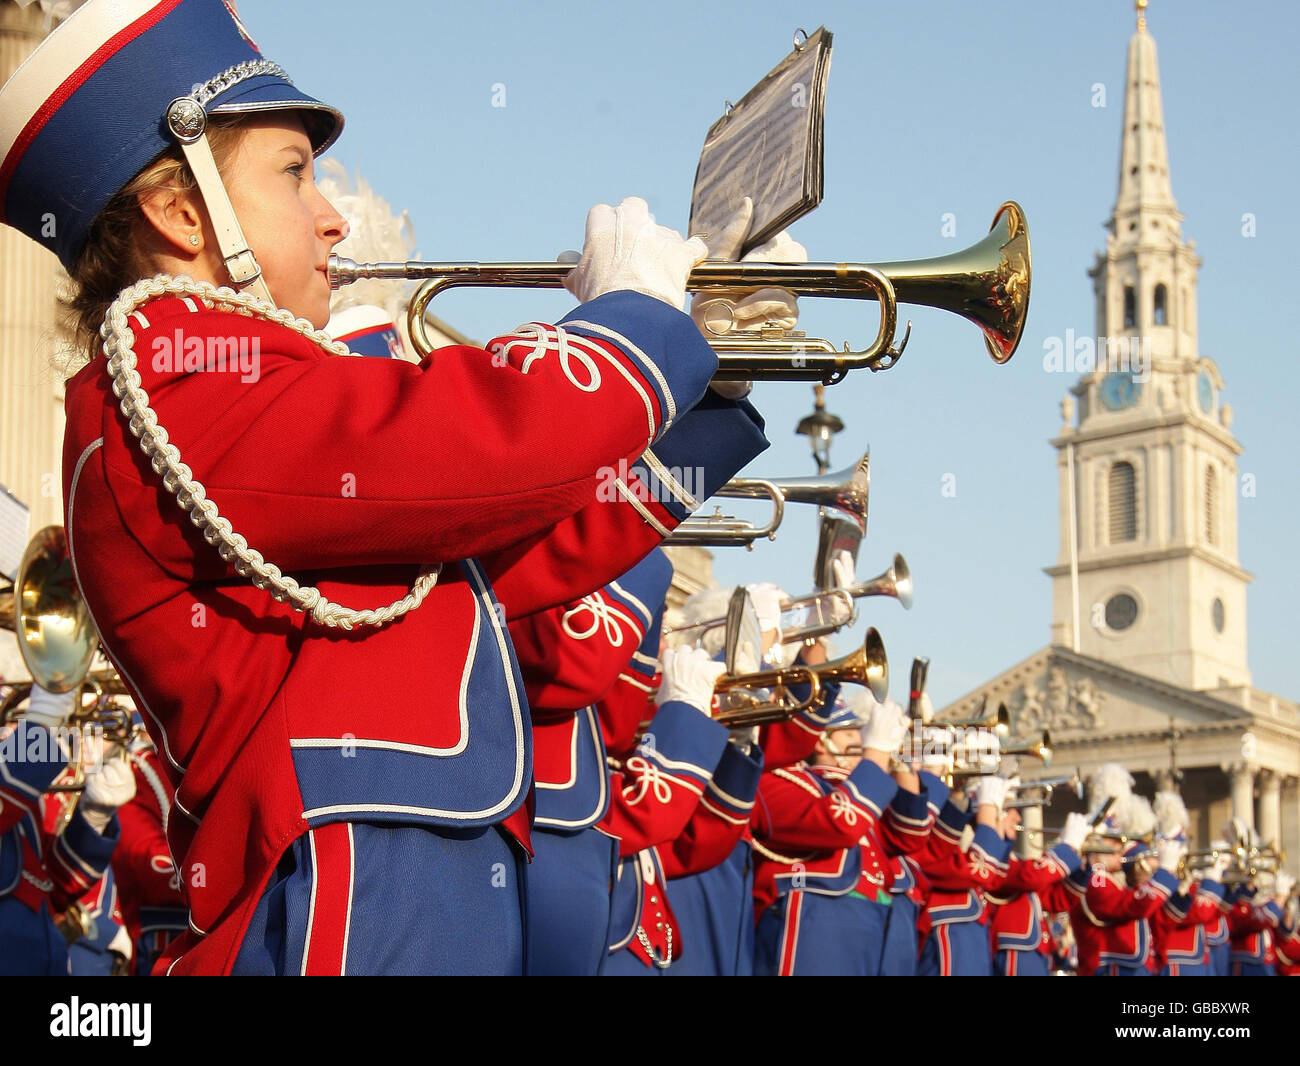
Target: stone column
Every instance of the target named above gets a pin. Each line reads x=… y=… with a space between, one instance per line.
x=1242 y=778
x=1270 y=807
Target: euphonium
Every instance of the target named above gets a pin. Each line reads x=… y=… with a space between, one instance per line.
x=987 y=284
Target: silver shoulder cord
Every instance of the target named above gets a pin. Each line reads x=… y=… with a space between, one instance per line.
x=178 y=479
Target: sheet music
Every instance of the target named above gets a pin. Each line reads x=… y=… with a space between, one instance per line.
x=15 y=520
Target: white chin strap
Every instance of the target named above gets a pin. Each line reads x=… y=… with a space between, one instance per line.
x=188 y=124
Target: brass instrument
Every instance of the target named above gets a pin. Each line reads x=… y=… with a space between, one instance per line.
x=999 y=722
x=1096 y=819
x=867 y=666
x=1047 y=786
x=987 y=284
x=845 y=491
x=720 y=530
x=58 y=642
x=1040 y=749
x=895 y=582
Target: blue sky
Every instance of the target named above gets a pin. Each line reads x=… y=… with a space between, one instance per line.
x=933 y=108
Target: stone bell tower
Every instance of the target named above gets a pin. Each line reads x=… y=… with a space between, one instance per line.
x=1148 y=575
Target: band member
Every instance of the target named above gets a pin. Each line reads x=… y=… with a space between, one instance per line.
x=54 y=847
x=153 y=905
x=955 y=924
x=1178 y=929
x=1022 y=942
x=1217 y=936
x=1111 y=921
x=298 y=563
x=1252 y=921
x=810 y=885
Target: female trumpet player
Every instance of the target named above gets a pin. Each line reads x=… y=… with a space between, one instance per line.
x=300 y=562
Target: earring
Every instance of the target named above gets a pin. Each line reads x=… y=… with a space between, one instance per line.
x=194 y=239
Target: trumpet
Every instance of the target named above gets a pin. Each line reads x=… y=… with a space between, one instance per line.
x=723 y=530
x=999 y=722
x=1047 y=786
x=868 y=666
x=987 y=284
x=1040 y=749
x=827 y=606
x=1096 y=819
x=845 y=491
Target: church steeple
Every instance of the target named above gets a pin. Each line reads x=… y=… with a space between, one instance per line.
x=1148 y=573
x=1144 y=188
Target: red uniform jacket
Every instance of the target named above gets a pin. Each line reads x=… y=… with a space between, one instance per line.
x=1251 y=928
x=1018 y=922
x=960 y=879
x=351 y=474
x=1178 y=929
x=1110 y=921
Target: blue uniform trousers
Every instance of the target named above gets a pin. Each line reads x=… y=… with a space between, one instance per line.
x=804 y=934
x=715 y=913
x=899 y=956
x=32 y=943
x=423 y=900
x=567 y=902
x=1220 y=963
x=1010 y=963
x=957 y=949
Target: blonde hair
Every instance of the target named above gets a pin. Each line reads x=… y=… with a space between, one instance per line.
x=112 y=257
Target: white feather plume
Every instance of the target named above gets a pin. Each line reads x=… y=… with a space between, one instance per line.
x=1171 y=813
x=377 y=234
x=1110 y=779
x=1135 y=816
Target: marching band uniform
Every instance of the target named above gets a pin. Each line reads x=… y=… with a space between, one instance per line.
x=569 y=656
x=909 y=891
x=1287 y=948
x=1178 y=931
x=1110 y=920
x=1251 y=928
x=153 y=905
x=654 y=886
x=955 y=923
x=331 y=769
x=1022 y=943
x=823 y=836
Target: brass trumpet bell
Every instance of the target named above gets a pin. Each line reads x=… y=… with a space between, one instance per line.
x=1040 y=749
x=56 y=636
x=999 y=722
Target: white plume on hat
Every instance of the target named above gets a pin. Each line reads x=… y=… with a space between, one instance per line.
x=376 y=234
x=1171 y=813
x=1110 y=779
x=1134 y=815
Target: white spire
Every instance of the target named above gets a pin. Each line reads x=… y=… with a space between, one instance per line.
x=1144 y=160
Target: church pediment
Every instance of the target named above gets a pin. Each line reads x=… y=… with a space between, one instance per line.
x=1078 y=698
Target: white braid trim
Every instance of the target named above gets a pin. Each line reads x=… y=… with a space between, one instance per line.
x=177 y=478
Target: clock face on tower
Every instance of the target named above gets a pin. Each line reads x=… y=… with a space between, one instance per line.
x=1205 y=391
x=1119 y=391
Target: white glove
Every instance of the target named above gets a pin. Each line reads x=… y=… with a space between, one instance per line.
x=927 y=707
x=991 y=790
x=1169 y=853
x=1075 y=831
x=767 y=602
x=50 y=709
x=625 y=249
x=886 y=727
x=1218 y=868
x=1283 y=884
x=107 y=788
x=842 y=569
x=688 y=676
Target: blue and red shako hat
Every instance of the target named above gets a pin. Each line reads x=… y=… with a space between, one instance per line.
x=89 y=108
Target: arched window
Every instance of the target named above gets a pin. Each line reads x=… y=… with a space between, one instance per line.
x=1130 y=307
x=1159 y=311
x=1211 y=506
x=1122 y=503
